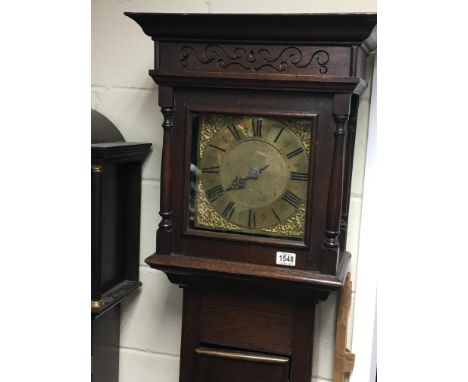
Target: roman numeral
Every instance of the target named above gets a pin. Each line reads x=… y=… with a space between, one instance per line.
x=234 y=132
x=229 y=210
x=217 y=148
x=299 y=176
x=276 y=215
x=279 y=134
x=214 y=193
x=292 y=199
x=252 y=222
x=295 y=152
x=210 y=170
x=257 y=127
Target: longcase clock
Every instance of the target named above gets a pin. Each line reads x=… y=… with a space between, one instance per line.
x=259 y=121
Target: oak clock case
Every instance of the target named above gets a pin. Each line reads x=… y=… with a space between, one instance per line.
x=259 y=126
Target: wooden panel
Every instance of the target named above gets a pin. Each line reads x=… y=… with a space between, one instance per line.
x=215 y=365
x=116 y=204
x=113 y=220
x=132 y=207
x=248 y=322
x=96 y=232
x=105 y=338
x=190 y=334
x=303 y=334
x=210 y=58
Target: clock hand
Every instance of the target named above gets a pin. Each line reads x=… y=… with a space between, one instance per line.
x=254 y=173
x=263 y=168
x=239 y=183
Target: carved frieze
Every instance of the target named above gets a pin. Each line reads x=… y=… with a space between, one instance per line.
x=247 y=59
x=254 y=58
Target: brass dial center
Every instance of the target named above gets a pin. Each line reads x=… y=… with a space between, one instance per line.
x=254 y=173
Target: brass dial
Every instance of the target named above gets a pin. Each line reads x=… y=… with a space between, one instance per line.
x=254 y=173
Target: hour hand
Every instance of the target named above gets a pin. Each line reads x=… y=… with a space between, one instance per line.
x=262 y=168
x=237 y=184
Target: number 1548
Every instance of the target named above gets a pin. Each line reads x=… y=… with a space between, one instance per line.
x=286 y=258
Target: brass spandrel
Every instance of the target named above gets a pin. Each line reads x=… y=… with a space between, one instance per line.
x=210 y=125
x=293 y=226
x=206 y=216
x=301 y=128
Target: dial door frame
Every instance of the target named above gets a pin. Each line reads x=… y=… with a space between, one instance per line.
x=191 y=111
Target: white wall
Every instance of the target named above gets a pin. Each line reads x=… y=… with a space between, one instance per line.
x=123 y=91
x=365 y=303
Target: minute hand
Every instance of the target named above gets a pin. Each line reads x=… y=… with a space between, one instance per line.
x=254 y=173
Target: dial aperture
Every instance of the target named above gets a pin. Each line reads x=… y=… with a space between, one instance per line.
x=247 y=170
x=252 y=174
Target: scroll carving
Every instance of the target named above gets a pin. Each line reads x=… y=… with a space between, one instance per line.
x=254 y=59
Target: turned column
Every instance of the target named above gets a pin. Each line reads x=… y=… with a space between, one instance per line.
x=331 y=244
x=164 y=233
x=348 y=170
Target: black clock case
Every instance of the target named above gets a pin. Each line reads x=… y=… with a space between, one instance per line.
x=115 y=238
